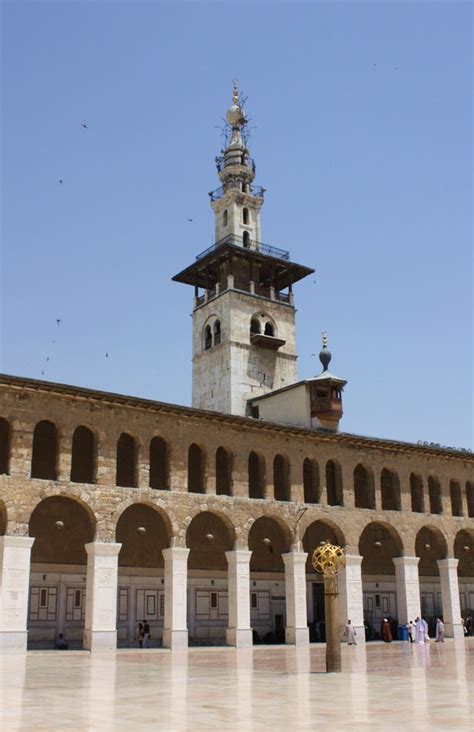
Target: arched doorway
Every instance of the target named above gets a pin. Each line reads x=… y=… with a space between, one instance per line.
x=268 y=540
x=379 y=544
x=144 y=531
x=430 y=546
x=464 y=552
x=209 y=537
x=61 y=527
x=317 y=534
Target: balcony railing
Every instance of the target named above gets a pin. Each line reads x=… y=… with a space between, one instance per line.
x=238 y=241
x=257 y=191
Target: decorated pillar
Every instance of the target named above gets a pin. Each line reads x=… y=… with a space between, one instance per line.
x=296 y=630
x=15 y=558
x=239 y=632
x=408 y=589
x=448 y=574
x=100 y=630
x=351 y=604
x=175 y=629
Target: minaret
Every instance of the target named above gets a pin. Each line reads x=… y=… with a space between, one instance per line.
x=244 y=341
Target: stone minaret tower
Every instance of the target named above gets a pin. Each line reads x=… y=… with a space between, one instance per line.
x=244 y=316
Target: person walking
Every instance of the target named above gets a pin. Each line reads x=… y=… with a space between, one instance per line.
x=351 y=634
x=426 y=635
x=146 y=634
x=411 y=631
x=439 y=631
x=386 y=631
x=419 y=631
x=140 y=634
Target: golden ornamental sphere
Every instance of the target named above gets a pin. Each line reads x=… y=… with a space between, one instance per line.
x=328 y=559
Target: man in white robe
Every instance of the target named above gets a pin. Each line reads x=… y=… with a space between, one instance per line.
x=439 y=631
x=425 y=629
x=351 y=634
x=419 y=631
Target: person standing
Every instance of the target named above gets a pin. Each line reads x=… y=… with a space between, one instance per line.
x=419 y=631
x=411 y=631
x=426 y=635
x=386 y=631
x=351 y=634
x=146 y=634
x=439 y=631
x=140 y=634
x=468 y=625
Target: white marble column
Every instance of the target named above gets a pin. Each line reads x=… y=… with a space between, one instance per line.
x=296 y=631
x=175 y=629
x=15 y=557
x=448 y=574
x=239 y=632
x=100 y=630
x=408 y=589
x=351 y=604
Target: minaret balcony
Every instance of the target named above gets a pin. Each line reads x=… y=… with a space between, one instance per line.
x=234 y=240
x=255 y=191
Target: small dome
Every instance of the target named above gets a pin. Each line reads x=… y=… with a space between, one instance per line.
x=234 y=115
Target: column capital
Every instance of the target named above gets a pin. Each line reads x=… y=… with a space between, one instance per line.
x=449 y=563
x=294 y=558
x=102 y=548
x=16 y=542
x=175 y=552
x=238 y=556
x=406 y=561
x=353 y=560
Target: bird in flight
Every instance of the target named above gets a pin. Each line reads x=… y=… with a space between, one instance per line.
x=106 y=355
x=58 y=321
x=189 y=219
x=60 y=181
x=83 y=124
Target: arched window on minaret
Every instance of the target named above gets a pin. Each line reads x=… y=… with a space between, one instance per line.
x=269 y=329
x=217 y=332
x=207 y=338
x=254 y=325
x=245 y=215
x=225 y=217
x=246 y=239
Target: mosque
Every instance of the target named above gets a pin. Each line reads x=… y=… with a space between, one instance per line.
x=201 y=520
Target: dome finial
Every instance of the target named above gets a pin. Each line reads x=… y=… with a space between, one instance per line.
x=235 y=92
x=325 y=355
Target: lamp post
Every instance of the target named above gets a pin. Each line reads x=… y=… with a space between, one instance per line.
x=328 y=559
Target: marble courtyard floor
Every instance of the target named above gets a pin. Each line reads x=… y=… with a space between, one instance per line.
x=382 y=687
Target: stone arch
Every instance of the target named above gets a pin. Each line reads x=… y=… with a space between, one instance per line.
x=211 y=332
x=256 y=475
x=334 y=487
x=224 y=464
x=159 y=463
x=430 y=545
x=83 y=455
x=317 y=533
x=5 y=445
x=159 y=505
x=44 y=457
x=417 y=493
x=434 y=493
x=61 y=526
x=379 y=543
x=196 y=467
x=209 y=535
x=144 y=530
x=390 y=489
x=364 y=486
x=281 y=477
x=311 y=482
x=127 y=461
x=456 y=497
x=269 y=537
x=464 y=551
x=262 y=323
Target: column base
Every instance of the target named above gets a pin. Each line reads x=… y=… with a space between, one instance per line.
x=297 y=636
x=175 y=639
x=239 y=637
x=453 y=630
x=100 y=640
x=12 y=641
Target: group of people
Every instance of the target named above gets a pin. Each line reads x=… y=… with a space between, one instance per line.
x=418 y=631
x=144 y=634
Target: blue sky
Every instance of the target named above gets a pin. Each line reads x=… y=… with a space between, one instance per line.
x=362 y=139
